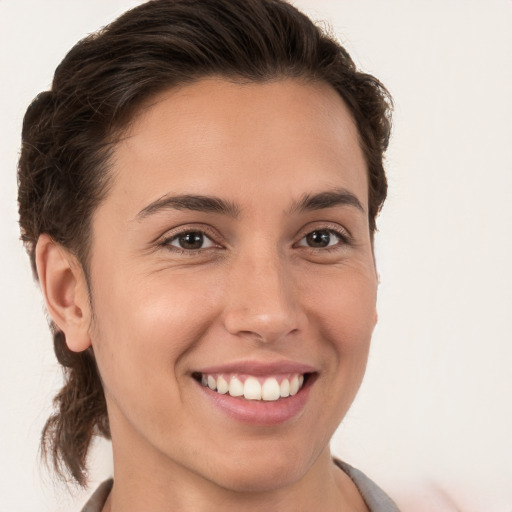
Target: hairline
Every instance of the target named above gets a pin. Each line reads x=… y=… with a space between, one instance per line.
x=120 y=129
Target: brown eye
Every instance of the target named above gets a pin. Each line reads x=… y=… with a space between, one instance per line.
x=321 y=238
x=318 y=238
x=191 y=240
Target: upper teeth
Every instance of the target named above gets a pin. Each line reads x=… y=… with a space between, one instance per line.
x=254 y=388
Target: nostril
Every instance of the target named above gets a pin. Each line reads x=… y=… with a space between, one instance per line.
x=263 y=328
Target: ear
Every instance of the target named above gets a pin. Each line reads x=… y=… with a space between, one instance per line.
x=65 y=291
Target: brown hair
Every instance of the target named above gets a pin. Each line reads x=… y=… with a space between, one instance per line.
x=69 y=132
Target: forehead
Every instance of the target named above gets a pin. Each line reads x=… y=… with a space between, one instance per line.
x=281 y=138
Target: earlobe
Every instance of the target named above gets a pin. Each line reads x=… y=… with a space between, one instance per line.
x=65 y=292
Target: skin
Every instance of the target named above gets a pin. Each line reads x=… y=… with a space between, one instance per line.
x=256 y=290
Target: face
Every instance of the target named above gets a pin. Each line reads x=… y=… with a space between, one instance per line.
x=233 y=252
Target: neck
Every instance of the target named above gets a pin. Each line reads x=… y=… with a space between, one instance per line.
x=145 y=478
x=324 y=487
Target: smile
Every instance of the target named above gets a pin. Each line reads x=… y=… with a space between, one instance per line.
x=250 y=387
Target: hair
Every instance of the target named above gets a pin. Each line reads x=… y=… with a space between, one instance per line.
x=69 y=133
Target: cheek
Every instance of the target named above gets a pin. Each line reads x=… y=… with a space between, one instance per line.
x=344 y=311
x=345 y=308
x=143 y=328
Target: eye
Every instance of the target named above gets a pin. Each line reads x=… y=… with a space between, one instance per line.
x=321 y=238
x=190 y=241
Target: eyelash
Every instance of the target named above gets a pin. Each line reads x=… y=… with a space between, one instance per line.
x=167 y=241
x=344 y=239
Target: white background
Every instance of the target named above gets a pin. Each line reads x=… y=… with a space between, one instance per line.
x=433 y=421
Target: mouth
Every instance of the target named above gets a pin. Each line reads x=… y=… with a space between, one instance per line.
x=257 y=393
x=269 y=388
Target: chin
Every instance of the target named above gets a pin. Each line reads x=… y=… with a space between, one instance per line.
x=265 y=471
x=261 y=480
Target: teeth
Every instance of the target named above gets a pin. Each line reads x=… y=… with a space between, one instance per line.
x=270 y=390
x=253 y=388
x=294 y=385
x=236 y=388
x=211 y=382
x=285 y=388
x=222 y=385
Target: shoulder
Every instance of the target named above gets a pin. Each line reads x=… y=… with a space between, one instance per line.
x=375 y=498
x=97 y=500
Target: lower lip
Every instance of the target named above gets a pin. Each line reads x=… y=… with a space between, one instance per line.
x=259 y=412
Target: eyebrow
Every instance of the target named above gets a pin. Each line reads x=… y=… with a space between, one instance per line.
x=211 y=204
x=328 y=199
x=196 y=203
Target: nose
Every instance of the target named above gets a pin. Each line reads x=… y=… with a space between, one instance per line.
x=262 y=301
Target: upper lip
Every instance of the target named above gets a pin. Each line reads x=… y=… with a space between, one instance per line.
x=259 y=368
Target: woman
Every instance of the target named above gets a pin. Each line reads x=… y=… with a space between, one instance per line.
x=198 y=194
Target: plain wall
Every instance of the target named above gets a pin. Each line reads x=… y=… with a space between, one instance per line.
x=433 y=420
